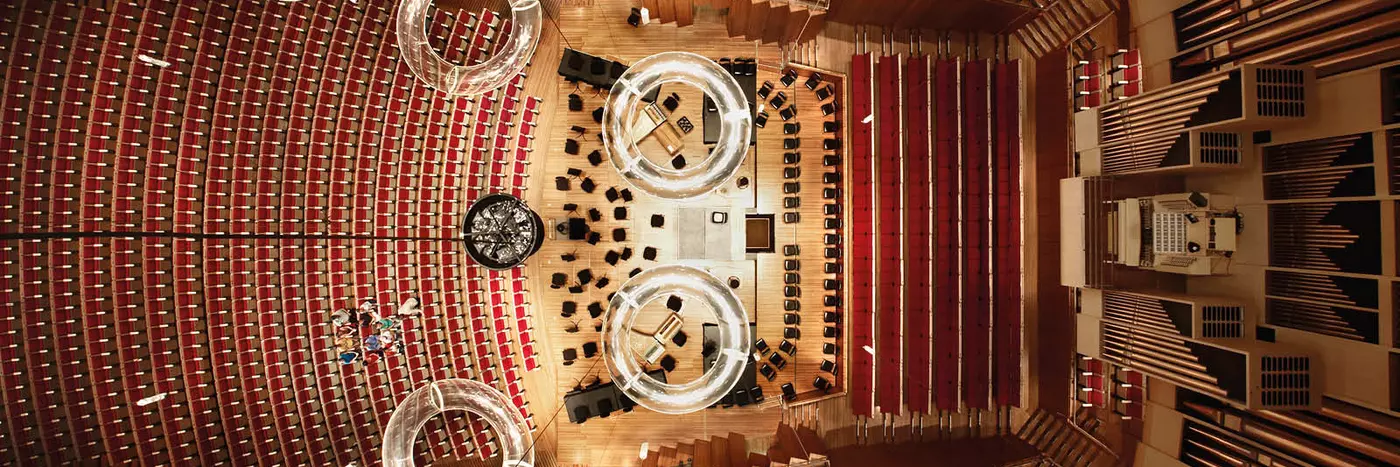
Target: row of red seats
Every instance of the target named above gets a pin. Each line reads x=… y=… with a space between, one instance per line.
x=975 y=249
x=862 y=241
x=889 y=121
x=947 y=315
x=1006 y=236
x=918 y=287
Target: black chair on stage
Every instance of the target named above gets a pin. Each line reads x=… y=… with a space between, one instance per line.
x=674 y=303
x=831 y=193
x=824 y=93
x=568 y=257
x=830 y=332
x=832 y=268
x=831 y=284
x=562 y=183
x=634 y=272
x=791 y=278
x=822 y=384
x=598 y=115
x=831 y=126
x=575 y=103
x=830 y=348
x=590 y=349
x=574 y=172
x=668 y=363
x=792 y=172
x=619 y=234
x=792 y=157
x=626 y=195
x=571 y=147
x=831 y=178
x=595 y=311
x=832 y=209
x=791 y=250
x=595 y=158
x=570 y=354
x=671 y=103
x=568 y=309
x=829 y=367
x=789 y=77
x=792 y=202
x=832 y=253
x=792 y=128
x=578 y=130
x=585 y=276
x=658 y=221
x=831 y=300
x=791 y=291
x=626 y=253
x=611 y=258
x=598 y=66
x=558 y=280
x=678 y=162
x=765 y=90
x=791 y=217
x=602 y=282
x=792 y=188
x=831 y=317
x=620 y=213
x=831 y=239
x=814 y=81
x=831 y=160
x=611 y=194
x=790 y=319
x=649 y=253
x=594 y=238
x=635 y=18
x=587 y=185
x=680 y=338
x=616 y=70
x=828 y=109
x=761 y=120
x=832 y=223
x=595 y=215
x=831 y=144
x=788 y=113
x=581 y=413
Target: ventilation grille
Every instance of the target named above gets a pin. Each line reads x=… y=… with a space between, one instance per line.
x=1321 y=183
x=1280 y=92
x=1285 y=382
x=1222 y=322
x=1220 y=148
x=1332 y=321
x=1332 y=290
x=1319 y=153
x=1178 y=261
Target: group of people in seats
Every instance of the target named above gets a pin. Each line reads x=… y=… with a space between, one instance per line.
x=362 y=333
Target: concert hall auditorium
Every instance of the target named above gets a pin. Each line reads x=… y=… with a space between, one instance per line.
x=492 y=233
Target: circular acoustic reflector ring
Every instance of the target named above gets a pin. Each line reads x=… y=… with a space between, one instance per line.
x=694 y=284
x=695 y=180
x=476 y=397
x=457 y=80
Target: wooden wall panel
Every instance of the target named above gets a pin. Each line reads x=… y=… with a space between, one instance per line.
x=653 y=8
x=685 y=12
x=776 y=25
x=667 y=10
x=814 y=27
x=738 y=19
x=758 y=18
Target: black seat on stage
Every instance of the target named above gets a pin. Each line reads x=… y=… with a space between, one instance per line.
x=832 y=223
x=831 y=300
x=598 y=115
x=674 y=303
x=790 y=318
x=741 y=397
x=587 y=185
x=791 y=250
x=778 y=100
x=680 y=338
x=668 y=363
x=611 y=194
x=595 y=310
x=814 y=81
x=576 y=289
x=590 y=349
x=832 y=268
x=634 y=272
x=832 y=253
x=599 y=66
x=611 y=258
x=788 y=347
x=788 y=392
x=791 y=333
x=822 y=384
x=792 y=202
x=619 y=234
x=595 y=158
x=777 y=360
x=792 y=128
x=574 y=172
x=791 y=265
x=670 y=103
x=649 y=254
x=562 y=183
x=830 y=348
x=658 y=221
x=767 y=371
x=831 y=160
x=570 y=354
x=831 y=178
x=626 y=195
x=575 y=103
x=792 y=188
x=792 y=143
x=626 y=253
x=792 y=157
x=616 y=70
x=558 y=280
x=831 y=144
x=605 y=407
x=568 y=309
x=761 y=345
x=595 y=215
x=791 y=305
x=824 y=93
x=761 y=120
x=831 y=193
x=602 y=282
x=831 y=209
x=791 y=172
x=585 y=276
x=789 y=112
x=571 y=147
x=765 y=90
x=829 y=367
x=831 y=126
x=831 y=239
x=582 y=413
x=830 y=332
x=831 y=317
x=791 y=278
x=635 y=18
x=678 y=162
x=789 y=77
x=620 y=213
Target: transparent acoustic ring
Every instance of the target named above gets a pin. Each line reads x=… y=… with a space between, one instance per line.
x=457 y=394
x=691 y=284
x=621 y=117
x=474 y=79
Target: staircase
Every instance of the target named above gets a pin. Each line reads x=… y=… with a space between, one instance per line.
x=1064 y=442
x=767 y=21
x=792 y=447
x=1056 y=23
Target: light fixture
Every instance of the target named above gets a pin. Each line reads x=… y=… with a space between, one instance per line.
x=512 y=434
x=621 y=116
x=733 y=344
x=429 y=67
